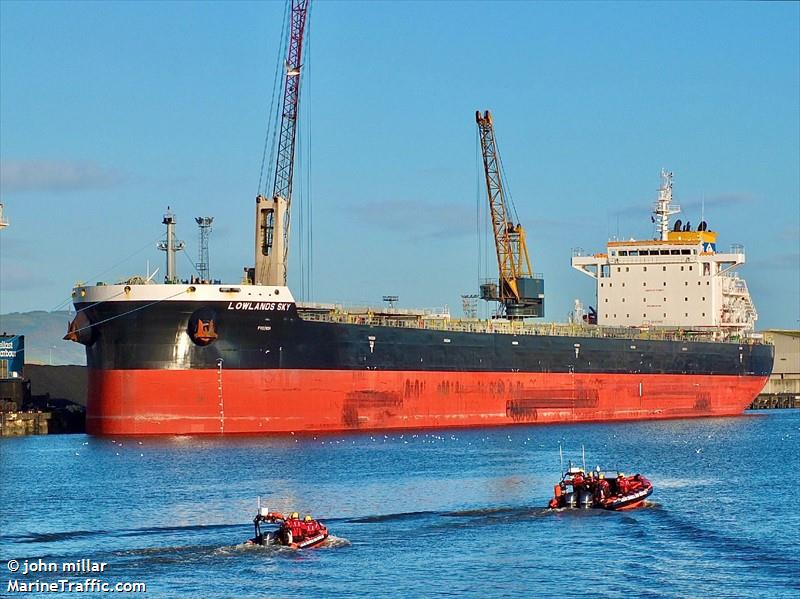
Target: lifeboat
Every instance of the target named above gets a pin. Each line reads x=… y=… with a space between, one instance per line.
x=292 y=531
x=600 y=489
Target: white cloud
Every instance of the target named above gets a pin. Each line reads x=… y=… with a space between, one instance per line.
x=54 y=176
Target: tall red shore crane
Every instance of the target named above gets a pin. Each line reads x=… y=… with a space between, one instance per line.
x=272 y=212
x=519 y=292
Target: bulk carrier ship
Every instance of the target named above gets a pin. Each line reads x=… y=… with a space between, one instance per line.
x=671 y=336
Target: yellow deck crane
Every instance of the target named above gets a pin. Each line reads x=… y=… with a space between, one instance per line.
x=520 y=293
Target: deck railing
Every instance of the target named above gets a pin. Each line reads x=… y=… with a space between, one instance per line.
x=512 y=327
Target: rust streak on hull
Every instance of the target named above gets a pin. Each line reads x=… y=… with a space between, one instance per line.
x=273 y=401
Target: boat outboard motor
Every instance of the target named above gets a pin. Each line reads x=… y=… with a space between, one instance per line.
x=585 y=498
x=570 y=499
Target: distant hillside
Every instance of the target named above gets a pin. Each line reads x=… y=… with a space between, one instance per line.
x=43 y=337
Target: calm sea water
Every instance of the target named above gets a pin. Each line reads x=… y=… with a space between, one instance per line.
x=426 y=513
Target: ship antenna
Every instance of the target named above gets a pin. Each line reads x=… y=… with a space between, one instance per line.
x=663 y=208
x=703 y=208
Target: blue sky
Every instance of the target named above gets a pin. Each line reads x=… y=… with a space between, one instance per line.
x=111 y=111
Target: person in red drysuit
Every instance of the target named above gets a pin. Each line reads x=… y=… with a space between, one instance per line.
x=602 y=489
x=294 y=524
x=310 y=526
x=622 y=484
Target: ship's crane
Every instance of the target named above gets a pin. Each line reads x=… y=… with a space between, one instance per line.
x=272 y=212
x=519 y=292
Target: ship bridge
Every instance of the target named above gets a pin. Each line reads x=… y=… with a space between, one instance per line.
x=680 y=280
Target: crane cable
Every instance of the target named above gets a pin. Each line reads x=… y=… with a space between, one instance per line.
x=100 y=274
x=506 y=187
x=99 y=322
x=273 y=113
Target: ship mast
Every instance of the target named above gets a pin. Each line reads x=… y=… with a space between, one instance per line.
x=171 y=246
x=272 y=213
x=662 y=208
x=520 y=294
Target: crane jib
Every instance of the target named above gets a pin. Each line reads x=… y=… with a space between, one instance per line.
x=273 y=213
x=520 y=293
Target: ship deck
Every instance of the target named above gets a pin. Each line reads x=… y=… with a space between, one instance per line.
x=434 y=320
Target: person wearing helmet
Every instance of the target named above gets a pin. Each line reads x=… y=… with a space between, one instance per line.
x=310 y=526
x=297 y=526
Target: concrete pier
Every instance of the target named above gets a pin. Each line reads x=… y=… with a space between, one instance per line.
x=783 y=388
x=15 y=423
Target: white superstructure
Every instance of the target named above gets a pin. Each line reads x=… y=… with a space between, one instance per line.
x=679 y=280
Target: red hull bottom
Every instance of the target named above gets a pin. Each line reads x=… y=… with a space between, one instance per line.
x=170 y=402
